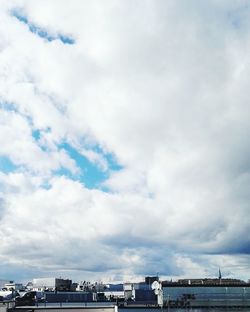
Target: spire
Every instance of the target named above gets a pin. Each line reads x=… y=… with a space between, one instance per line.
x=219 y=274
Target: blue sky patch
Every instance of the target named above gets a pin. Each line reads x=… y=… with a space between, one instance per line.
x=90 y=174
x=6 y=165
x=66 y=39
x=112 y=163
x=41 y=32
x=36 y=134
x=8 y=106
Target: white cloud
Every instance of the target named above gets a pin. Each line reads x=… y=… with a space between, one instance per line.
x=95 y=158
x=163 y=86
x=18 y=144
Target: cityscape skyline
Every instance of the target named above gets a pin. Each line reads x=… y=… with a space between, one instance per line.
x=124 y=134
x=149 y=279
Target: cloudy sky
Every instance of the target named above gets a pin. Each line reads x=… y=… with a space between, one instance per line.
x=124 y=139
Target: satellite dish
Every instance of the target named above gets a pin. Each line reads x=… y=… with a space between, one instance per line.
x=155 y=285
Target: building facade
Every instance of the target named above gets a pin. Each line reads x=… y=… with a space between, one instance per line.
x=206 y=295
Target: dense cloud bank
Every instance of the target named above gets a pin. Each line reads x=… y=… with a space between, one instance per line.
x=150 y=100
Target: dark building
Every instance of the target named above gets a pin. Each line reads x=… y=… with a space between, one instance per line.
x=145 y=296
x=51 y=297
x=150 y=279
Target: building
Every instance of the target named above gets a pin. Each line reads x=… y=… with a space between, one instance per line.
x=206 y=293
x=13 y=286
x=76 y=296
x=210 y=281
x=150 y=279
x=114 y=292
x=52 y=284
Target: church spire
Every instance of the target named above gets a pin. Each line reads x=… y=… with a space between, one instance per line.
x=219 y=274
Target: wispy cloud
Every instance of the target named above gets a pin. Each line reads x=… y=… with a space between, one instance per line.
x=41 y=32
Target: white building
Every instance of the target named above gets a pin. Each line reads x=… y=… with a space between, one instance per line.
x=13 y=286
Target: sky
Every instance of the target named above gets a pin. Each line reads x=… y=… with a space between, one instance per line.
x=124 y=139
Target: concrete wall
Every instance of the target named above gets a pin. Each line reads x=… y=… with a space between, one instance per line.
x=70 y=309
x=3 y=308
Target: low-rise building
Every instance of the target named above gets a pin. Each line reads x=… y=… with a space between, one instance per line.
x=52 y=284
x=13 y=286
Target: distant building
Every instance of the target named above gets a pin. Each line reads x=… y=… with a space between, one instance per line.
x=140 y=292
x=145 y=296
x=13 y=286
x=128 y=291
x=68 y=296
x=114 y=295
x=208 y=281
x=113 y=292
x=206 y=293
x=150 y=279
x=114 y=287
x=84 y=286
x=52 y=284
